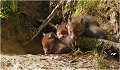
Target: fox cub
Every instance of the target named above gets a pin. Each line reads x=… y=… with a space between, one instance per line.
x=62 y=34
x=51 y=44
x=75 y=27
x=62 y=30
x=84 y=25
x=93 y=29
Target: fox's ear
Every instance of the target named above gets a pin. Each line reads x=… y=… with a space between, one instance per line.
x=43 y=34
x=56 y=26
x=66 y=25
x=68 y=21
x=81 y=20
x=50 y=35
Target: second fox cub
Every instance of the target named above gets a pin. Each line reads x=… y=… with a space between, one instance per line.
x=61 y=30
x=51 y=44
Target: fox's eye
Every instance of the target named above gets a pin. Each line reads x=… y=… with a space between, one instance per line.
x=47 y=46
x=71 y=31
x=76 y=31
x=49 y=37
x=59 y=34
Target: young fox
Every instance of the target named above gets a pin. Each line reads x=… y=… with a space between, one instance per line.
x=92 y=28
x=61 y=30
x=75 y=27
x=95 y=32
x=86 y=25
x=51 y=44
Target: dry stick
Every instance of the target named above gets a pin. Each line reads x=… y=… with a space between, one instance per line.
x=110 y=43
x=52 y=25
x=46 y=22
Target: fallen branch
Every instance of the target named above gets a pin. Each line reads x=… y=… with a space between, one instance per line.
x=91 y=43
x=50 y=24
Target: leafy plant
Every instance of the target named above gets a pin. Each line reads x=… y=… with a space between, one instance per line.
x=85 y=7
x=8 y=8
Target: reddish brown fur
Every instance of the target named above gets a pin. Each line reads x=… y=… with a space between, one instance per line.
x=86 y=25
x=75 y=27
x=48 y=42
x=51 y=44
x=61 y=30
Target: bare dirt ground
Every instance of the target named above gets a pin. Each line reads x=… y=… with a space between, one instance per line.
x=54 y=62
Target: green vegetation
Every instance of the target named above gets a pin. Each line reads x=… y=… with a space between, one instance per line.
x=85 y=7
x=8 y=8
x=92 y=7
